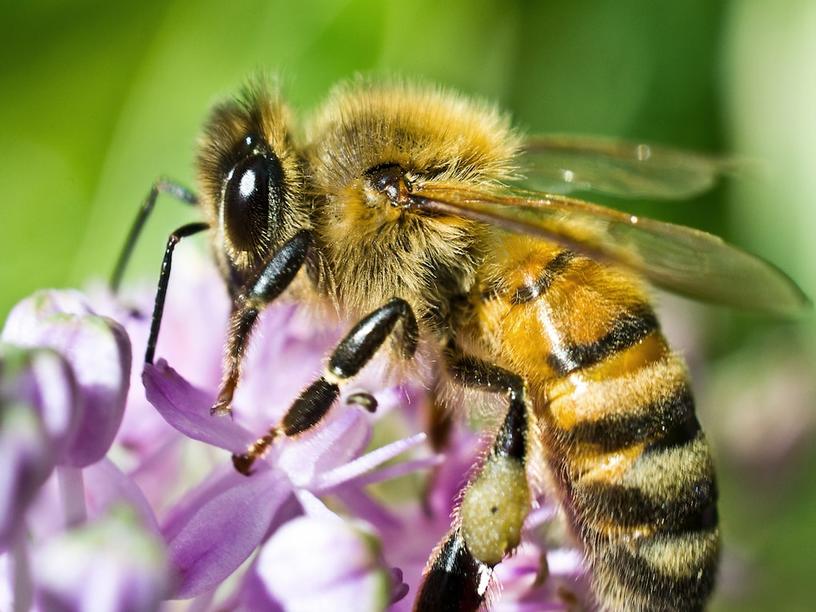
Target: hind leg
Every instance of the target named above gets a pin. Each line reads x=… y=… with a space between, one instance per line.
x=494 y=505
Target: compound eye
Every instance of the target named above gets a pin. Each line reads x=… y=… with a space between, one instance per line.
x=253 y=191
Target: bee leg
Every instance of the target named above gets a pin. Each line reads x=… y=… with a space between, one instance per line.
x=352 y=353
x=438 y=424
x=164 y=278
x=161 y=186
x=275 y=277
x=497 y=499
x=439 y=420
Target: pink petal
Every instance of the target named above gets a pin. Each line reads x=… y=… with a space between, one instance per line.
x=252 y=595
x=54 y=391
x=314 y=507
x=566 y=562
x=98 y=350
x=211 y=534
x=363 y=506
x=38 y=419
x=107 y=486
x=187 y=409
x=396 y=470
x=25 y=462
x=339 y=438
x=110 y=564
x=314 y=564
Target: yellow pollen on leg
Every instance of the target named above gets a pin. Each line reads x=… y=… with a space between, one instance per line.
x=493 y=509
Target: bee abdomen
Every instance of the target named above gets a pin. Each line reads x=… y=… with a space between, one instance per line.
x=660 y=572
x=617 y=421
x=642 y=487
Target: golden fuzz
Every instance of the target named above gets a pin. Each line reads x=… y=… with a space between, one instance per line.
x=425 y=129
x=610 y=401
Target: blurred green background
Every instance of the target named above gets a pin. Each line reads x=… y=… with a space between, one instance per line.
x=98 y=99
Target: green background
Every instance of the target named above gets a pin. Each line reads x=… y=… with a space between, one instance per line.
x=98 y=99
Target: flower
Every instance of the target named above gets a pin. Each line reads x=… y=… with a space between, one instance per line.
x=62 y=396
x=220 y=524
x=98 y=351
x=101 y=452
x=118 y=554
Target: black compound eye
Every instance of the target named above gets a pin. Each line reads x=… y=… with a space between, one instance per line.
x=252 y=200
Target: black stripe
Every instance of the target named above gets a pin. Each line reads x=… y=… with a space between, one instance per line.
x=626 y=331
x=679 y=433
x=661 y=591
x=622 y=429
x=555 y=267
x=693 y=510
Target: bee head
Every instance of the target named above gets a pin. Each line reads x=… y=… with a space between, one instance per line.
x=251 y=177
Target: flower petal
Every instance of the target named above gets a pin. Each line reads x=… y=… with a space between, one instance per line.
x=252 y=595
x=312 y=564
x=98 y=350
x=112 y=564
x=106 y=486
x=366 y=508
x=26 y=463
x=210 y=534
x=42 y=379
x=339 y=438
x=192 y=338
x=537 y=579
x=187 y=409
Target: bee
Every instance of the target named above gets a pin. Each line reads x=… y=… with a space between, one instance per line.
x=419 y=213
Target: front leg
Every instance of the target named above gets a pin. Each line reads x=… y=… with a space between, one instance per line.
x=489 y=520
x=353 y=352
x=275 y=277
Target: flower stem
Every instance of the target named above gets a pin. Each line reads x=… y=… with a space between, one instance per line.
x=21 y=570
x=72 y=493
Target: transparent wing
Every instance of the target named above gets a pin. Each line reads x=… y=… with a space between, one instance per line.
x=677 y=258
x=563 y=164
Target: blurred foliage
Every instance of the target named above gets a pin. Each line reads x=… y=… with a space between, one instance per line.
x=99 y=99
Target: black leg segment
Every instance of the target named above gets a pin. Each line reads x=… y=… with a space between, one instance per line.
x=367 y=336
x=454 y=581
x=352 y=353
x=282 y=268
x=164 y=277
x=310 y=407
x=511 y=440
x=275 y=277
x=161 y=186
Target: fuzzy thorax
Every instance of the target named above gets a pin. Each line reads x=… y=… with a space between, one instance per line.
x=374 y=250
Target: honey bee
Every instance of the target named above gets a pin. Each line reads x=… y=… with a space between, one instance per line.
x=409 y=208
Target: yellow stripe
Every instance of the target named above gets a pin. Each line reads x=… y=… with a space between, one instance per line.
x=582 y=398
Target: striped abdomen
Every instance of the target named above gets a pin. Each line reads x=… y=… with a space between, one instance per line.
x=618 y=423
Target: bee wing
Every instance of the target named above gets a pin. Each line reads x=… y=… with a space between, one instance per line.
x=681 y=259
x=563 y=164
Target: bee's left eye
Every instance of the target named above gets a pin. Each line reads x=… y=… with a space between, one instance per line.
x=253 y=191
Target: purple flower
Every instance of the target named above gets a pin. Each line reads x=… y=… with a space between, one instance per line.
x=62 y=394
x=98 y=351
x=37 y=421
x=324 y=563
x=213 y=530
x=339 y=518
x=117 y=556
